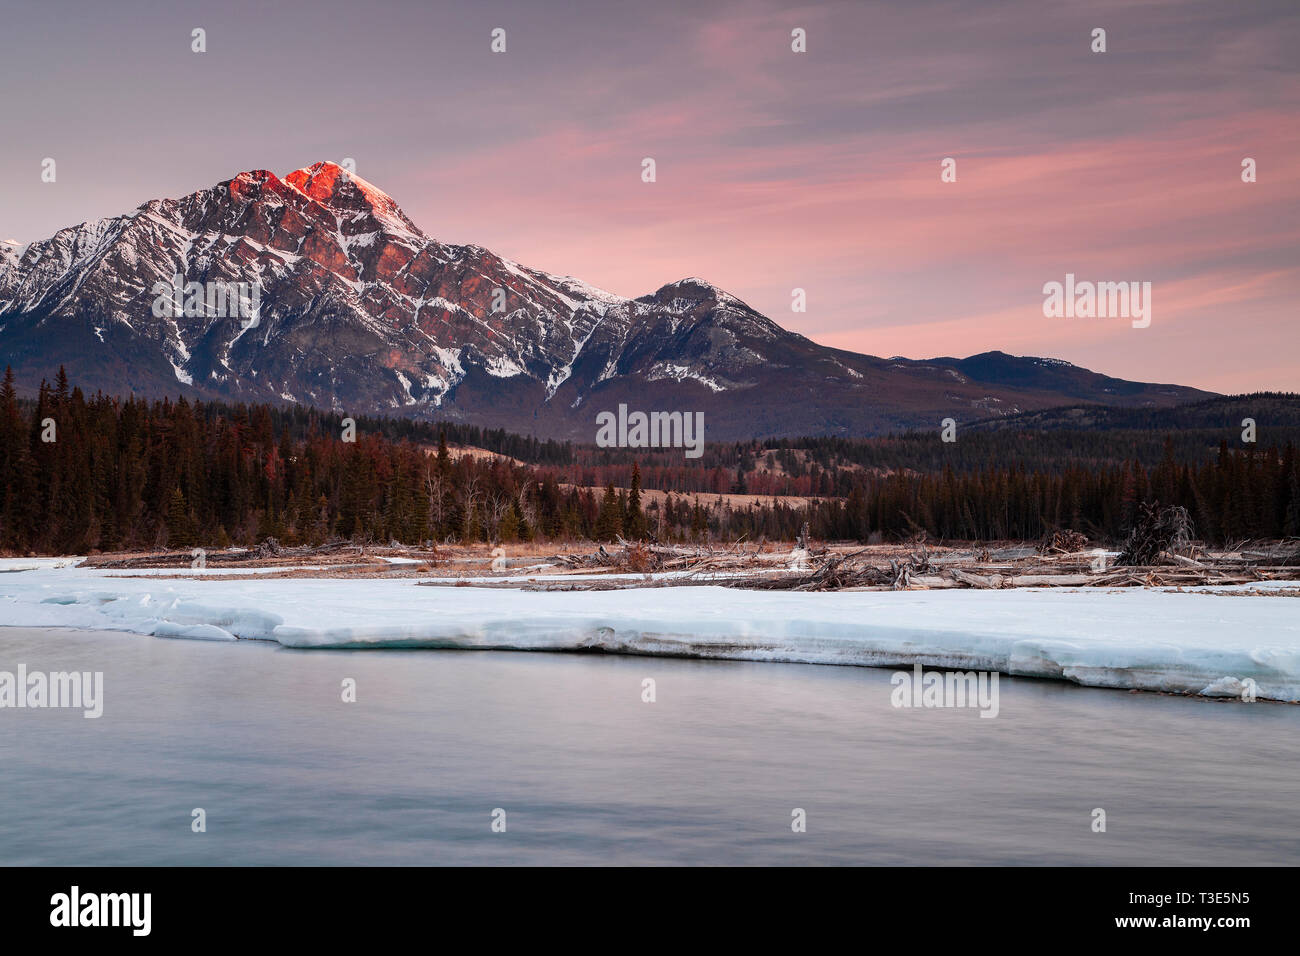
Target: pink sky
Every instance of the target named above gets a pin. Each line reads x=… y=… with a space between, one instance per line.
x=776 y=170
x=896 y=262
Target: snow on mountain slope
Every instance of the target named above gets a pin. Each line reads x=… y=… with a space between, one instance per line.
x=360 y=310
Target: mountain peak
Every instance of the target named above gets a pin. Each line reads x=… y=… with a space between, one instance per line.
x=342 y=190
x=248 y=185
x=11 y=250
x=694 y=289
x=691 y=284
x=320 y=181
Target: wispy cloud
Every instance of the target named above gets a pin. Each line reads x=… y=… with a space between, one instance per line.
x=775 y=170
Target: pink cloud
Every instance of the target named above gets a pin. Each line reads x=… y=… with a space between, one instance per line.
x=893 y=260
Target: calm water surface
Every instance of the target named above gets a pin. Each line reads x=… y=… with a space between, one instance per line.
x=587 y=773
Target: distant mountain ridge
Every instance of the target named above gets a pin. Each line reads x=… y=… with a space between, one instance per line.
x=361 y=311
x=1266 y=409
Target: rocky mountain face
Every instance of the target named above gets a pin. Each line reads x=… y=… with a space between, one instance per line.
x=358 y=310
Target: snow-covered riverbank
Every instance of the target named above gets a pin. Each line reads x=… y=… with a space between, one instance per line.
x=1125 y=638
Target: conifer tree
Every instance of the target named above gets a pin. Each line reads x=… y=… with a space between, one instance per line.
x=609 y=523
x=179 y=532
x=634 y=520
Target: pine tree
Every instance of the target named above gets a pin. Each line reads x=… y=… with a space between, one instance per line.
x=634 y=520
x=444 y=456
x=699 y=521
x=1291 y=522
x=609 y=523
x=509 y=530
x=179 y=529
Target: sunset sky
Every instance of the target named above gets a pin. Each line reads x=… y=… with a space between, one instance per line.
x=776 y=170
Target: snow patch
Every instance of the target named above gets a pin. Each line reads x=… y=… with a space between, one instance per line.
x=502 y=367
x=1180 y=642
x=678 y=373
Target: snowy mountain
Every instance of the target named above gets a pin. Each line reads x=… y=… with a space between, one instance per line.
x=359 y=310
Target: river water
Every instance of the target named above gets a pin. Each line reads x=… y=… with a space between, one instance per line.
x=587 y=772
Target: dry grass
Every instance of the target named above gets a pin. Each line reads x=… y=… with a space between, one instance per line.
x=709 y=498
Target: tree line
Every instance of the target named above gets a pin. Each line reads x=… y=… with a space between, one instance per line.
x=80 y=474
